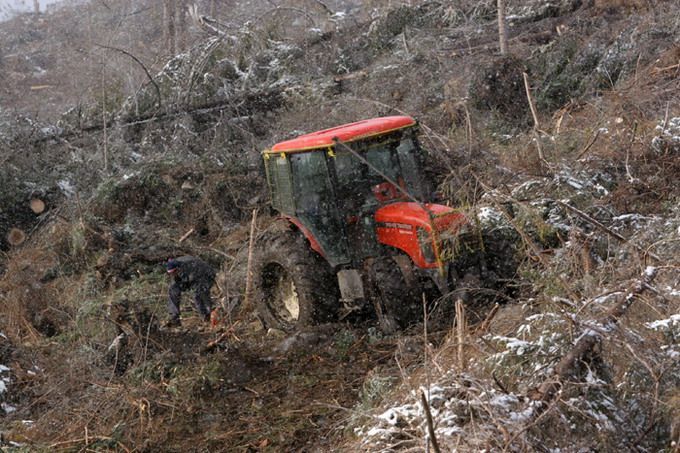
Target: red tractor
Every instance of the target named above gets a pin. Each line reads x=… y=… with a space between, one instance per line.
x=359 y=231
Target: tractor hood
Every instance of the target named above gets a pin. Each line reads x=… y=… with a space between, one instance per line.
x=408 y=214
x=422 y=231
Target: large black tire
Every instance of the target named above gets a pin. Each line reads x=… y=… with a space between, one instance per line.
x=401 y=303
x=493 y=259
x=503 y=257
x=293 y=286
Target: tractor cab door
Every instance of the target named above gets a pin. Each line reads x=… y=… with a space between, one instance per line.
x=356 y=204
x=315 y=204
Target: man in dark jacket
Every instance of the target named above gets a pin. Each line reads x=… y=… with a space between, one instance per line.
x=189 y=273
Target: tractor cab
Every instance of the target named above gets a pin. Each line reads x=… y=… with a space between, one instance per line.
x=333 y=184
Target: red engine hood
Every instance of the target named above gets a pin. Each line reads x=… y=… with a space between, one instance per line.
x=424 y=216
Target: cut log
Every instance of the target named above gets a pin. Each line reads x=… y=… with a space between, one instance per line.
x=37 y=205
x=16 y=236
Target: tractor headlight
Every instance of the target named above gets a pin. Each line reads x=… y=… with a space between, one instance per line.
x=425 y=242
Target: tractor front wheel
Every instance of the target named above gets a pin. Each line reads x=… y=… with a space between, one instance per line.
x=293 y=286
x=399 y=303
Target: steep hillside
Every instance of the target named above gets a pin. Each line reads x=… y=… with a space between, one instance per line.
x=568 y=147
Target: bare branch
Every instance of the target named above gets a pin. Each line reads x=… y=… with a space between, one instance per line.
x=146 y=71
x=430 y=426
x=594 y=222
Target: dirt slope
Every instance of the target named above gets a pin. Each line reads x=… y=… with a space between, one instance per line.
x=587 y=189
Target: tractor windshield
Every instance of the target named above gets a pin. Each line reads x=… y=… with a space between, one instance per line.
x=410 y=159
x=397 y=161
x=356 y=178
x=383 y=159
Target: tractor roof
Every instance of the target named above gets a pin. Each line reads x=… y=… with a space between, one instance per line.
x=345 y=133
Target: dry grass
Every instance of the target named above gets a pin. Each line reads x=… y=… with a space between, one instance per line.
x=153 y=392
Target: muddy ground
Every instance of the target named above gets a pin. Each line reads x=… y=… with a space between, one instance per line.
x=135 y=172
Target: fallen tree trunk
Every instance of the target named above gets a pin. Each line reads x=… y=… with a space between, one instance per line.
x=569 y=365
x=545 y=396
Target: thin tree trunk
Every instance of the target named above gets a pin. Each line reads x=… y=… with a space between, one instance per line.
x=181 y=12
x=171 y=33
x=502 y=33
x=249 y=265
x=104 y=119
x=164 y=20
x=460 y=334
x=530 y=99
x=430 y=424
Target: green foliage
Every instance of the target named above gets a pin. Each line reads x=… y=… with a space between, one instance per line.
x=106 y=190
x=77 y=241
x=151 y=371
x=343 y=341
x=547 y=283
x=374 y=389
x=533 y=223
x=561 y=78
x=189 y=383
x=114 y=198
x=111 y=97
x=531 y=348
x=375 y=335
x=391 y=25
x=211 y=375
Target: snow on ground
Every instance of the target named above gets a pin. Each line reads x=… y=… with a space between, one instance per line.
x=670 y=328
x=4 y=385
x=668 y=138
x=453 y=402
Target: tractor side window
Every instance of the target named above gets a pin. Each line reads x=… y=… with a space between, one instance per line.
x=280 y=184
x=312 y=186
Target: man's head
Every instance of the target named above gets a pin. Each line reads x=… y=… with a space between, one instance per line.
x=172 y=266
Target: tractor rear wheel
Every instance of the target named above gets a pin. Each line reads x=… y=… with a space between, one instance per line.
x=293 y=286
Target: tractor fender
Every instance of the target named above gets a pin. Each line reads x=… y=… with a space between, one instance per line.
x=441 y=279
x=308 y=234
